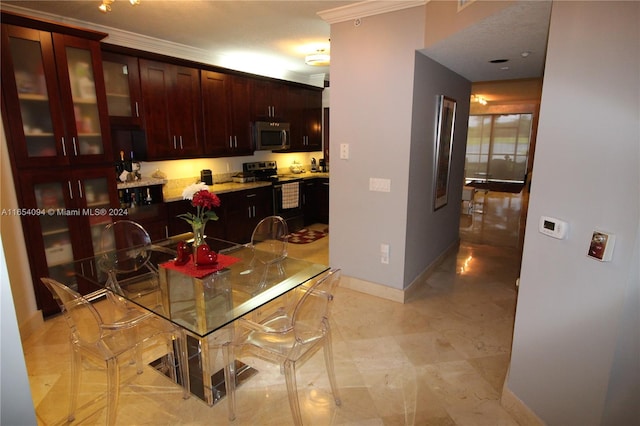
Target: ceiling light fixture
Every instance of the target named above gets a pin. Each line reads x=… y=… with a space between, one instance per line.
x=479 y=99
x=106 y=5
x=318 y=59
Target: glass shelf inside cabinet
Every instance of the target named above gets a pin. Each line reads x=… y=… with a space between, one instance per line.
x=85 y=106
x=54 y=224
x=116 y=76
x=33 y=97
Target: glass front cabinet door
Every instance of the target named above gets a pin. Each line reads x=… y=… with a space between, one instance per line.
x=64 y=206
x=55 y=98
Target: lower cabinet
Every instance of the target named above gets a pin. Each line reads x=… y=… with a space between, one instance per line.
x=244 y=210
x=63 y=215
x=316 y=201
x=153 y=219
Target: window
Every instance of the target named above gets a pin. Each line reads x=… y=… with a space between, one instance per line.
x=498 y=147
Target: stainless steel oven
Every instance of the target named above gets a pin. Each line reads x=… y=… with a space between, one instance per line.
x=287 y=192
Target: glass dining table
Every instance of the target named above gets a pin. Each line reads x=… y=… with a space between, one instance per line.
x=204 y=301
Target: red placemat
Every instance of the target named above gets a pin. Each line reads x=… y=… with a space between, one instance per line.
x=200 y=271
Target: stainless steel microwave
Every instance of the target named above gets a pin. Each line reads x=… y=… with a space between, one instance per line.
x=271 y=136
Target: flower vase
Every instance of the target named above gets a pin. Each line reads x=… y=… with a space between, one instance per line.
x=198 y=235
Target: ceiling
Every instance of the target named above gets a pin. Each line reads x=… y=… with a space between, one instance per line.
x=277 y=35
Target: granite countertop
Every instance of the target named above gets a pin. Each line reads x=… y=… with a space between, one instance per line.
x=175 y=193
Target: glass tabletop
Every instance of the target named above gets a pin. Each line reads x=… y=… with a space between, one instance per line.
x=195 y=299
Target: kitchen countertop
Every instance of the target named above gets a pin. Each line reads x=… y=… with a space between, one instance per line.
x=175 y=194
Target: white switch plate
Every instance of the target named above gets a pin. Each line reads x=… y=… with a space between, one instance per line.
x=379 y=185
x=344 y=151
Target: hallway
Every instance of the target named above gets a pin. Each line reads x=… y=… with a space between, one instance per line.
x=440 y=359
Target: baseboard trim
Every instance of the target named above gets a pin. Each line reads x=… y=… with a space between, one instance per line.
x=34 y=322
x=518 y=409
x=373 y=289
x=395 y=294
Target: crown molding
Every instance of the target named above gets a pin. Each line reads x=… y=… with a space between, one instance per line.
x=155 y=45
x=366 y=8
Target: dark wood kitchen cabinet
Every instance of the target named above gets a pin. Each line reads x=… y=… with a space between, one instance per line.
x=226 y=103
x=316 y=201
x=171 y=110
x=244 y=209
x=122 y=82
x=54 y=111
x=269 y=100
x=73 y=208
x=56 y=104
x=305 y=116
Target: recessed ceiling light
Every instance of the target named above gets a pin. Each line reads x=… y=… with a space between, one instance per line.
x=525 y=54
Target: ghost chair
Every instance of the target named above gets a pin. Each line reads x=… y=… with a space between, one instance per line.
x=115 y=334
x=291 y=336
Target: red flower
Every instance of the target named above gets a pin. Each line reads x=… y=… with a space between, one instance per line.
x=205 y=199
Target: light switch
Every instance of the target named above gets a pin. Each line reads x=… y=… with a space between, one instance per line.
x=379 y=185
x=344 y=151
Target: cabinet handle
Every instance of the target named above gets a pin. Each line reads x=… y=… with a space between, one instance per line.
x=325 y=183
x=75 y=148
x=174 y=142
x=80 y=189
x=181 y=147
x=166 y=231
x=254 y=211
x=137 y=109
x=70 y=190
x=252 y=195
x=230 y=141
x=249 y=212
x=64 y=147
x=235 y=141
x=91 y=267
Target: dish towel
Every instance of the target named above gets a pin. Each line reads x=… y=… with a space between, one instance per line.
x=290 y=195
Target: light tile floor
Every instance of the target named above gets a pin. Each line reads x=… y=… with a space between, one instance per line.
x=440 y=359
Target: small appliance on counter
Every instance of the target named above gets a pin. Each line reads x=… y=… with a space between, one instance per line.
x=206 y=176
x=314 y=165
x=323 y=166
x=243 y=177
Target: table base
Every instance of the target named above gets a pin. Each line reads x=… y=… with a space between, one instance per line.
x=243 y=373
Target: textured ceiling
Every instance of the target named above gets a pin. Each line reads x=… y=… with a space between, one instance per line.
x=278 y=34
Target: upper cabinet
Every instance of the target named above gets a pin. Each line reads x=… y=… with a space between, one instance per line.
x=171 y=109
x=55 y=97
x=226 y=103
x=269 y=100
x=122 y=82
x=305 y=116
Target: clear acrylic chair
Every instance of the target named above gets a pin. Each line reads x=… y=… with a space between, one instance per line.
x=291 y=336
x=127 y=256
x=269 y=243
x=112 y=335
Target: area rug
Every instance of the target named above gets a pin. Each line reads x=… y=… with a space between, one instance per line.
x=306 y=236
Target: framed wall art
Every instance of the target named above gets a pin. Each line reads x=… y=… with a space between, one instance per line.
x=445 y=120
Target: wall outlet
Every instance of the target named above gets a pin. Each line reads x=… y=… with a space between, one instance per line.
x=384 y=253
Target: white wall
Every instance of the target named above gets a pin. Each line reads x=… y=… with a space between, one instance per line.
x=430 y=233
x=586 y=172
x=372 y=67
x=16 y=405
